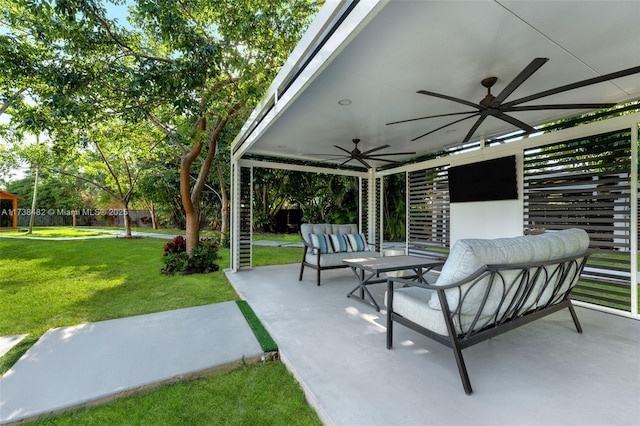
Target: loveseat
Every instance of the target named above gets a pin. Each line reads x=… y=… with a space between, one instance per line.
x=488 y=287
x=326 y=245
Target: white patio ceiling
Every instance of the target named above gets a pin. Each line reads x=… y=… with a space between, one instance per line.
x=383 y=52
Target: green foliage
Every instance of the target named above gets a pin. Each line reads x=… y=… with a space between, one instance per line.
x=176 y=262
x=394 y=209
x=200 y=260
x=54 y=192
x=189 y=69
x=323 y=198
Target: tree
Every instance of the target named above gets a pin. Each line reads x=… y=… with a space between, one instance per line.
x=190 y=67
x=159 y=188
x=113 y=158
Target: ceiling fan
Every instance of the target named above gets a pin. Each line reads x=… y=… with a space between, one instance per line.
x=495 y=106
x=361 y=157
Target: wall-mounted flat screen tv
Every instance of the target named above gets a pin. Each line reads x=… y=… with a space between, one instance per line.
x=489 y=180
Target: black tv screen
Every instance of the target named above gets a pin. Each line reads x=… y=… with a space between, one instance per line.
x=484 y=181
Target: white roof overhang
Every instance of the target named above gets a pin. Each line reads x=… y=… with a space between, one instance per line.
x=378 y=54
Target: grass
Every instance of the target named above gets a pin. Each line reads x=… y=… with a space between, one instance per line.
x=264 y=255
x=50 y=284
x=53 y=283
x=261 y=394
x=285 y=238
x=264 y=338
x=54 y=232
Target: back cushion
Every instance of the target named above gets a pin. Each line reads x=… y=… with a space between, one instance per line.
x=315 y=228
x=345 y=229
x=326 y=228
x=467 y=256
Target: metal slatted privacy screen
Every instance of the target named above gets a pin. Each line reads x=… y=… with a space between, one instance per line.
x=428 y=210
x=364 y=206
x=378 y=228
x=246 y=178
x=585 y=183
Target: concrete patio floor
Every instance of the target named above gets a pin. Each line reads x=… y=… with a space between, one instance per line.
x=544 y=373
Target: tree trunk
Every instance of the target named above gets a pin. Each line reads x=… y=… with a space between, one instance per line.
x=191 y=212
x=127 y=219
x=193 y=230
x=224 y=226
x=33 y=201
x=152 y=212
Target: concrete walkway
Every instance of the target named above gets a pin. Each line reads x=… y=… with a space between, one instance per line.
x=81 y=365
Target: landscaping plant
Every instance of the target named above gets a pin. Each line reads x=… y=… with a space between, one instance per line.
x=200 y=260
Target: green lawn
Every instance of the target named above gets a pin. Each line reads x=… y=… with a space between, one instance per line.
x=53 y=283
x=50 y=284
x=261 y=394
x=53 y=232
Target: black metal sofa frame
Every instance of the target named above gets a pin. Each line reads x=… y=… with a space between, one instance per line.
x=522 y=286
x=333 y=260
x=308 y=248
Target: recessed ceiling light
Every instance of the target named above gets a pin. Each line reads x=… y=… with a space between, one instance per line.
x=344 y=102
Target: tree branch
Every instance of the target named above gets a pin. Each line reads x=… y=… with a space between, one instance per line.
x=168 y=132
x=82 y=178
x=105 y=25
x=111 y=172
x=9 y=101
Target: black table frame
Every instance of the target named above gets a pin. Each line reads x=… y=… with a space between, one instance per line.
x=368 y=270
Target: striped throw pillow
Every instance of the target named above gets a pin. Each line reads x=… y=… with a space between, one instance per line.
x=339 y=243
x=322 y=242
x=357 y=242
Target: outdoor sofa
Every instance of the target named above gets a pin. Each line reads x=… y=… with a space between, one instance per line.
x=326 y=245
x=488 y=287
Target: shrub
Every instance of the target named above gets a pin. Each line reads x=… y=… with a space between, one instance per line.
x=201 y=260
x=175 y=262
x=177 y=245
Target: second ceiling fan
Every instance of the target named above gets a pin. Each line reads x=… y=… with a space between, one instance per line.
x=361 y=157
x=495 y=106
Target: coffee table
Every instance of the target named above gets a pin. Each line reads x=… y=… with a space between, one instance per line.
x=368 y=270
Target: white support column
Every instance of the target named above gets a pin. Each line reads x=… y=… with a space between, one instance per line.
x=407 y=218
x=634 y=220
x=251 y=217
x=235 y=217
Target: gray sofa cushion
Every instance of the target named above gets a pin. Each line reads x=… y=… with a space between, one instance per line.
x=413 y=304
x=315 y=228
x=331 y=258
x=423 y=306
x=327 y=228
x=335 y=259
x=469 y=255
